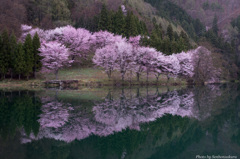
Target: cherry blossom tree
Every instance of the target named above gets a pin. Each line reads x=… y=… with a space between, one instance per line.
x=165 y=65
x=124 y=56
x=78 y=41
x=146 y=60
x=117 y=56
x=104 y=38
x=137 y=64
x=203 y=67
x=55 y=56
x=106 y=58
x=135 y=41
x=186 y=63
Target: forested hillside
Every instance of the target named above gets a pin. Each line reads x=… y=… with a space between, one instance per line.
x=169 y=26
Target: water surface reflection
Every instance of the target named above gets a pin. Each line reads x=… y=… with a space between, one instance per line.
x=122 y=123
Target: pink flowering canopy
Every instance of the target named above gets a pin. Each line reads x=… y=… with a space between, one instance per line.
x=113 y=52
x=55 y=56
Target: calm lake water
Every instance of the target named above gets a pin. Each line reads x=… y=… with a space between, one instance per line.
x=130 y=123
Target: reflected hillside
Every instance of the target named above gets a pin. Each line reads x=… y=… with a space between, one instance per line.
x=128 y=108
x=125 y=123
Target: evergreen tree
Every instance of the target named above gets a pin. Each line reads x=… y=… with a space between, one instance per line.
x=166 y=46
x=4 y=54
x=144 y=28
x=199 y=27
x=176 y=37
x=37 y=58
x=1 y=54
x=13 y=52
x=29 y=57
x=156 y=38
x=174 y=47
x=181 y=45
x=215 y=25
x=186 y=41
x=131 y=26
x=119 y=22
x=170 y=32
x=19 y=61
x=105 y=19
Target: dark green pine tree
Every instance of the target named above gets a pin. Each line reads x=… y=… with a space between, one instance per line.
x=105 y=19
x=29 y=57
x=185 y=39
x=37 y=65
x=199 y=27
x=215 y=25
x=181 y=45
x=166 y=45
x=144 y=28
x=176 y=37
x=119 y=22
x=1 y=55
x=131 y=26
x=139 y=27
x=170 y=32
x=19 y=61
x=156 y=39
x=13 y=52
x=4 y=54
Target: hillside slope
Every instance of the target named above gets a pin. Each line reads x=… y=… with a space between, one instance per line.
x=205 y=10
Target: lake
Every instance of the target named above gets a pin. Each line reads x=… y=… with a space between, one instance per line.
x=126 y=123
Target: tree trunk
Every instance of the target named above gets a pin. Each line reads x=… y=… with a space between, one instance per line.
x=109 y=75
x=131 y=76
x=138 y=76
x=157 y=78
x=168 y=78
x=147 y=75
x=122 y=78
x=56 y=74
x=19 y=76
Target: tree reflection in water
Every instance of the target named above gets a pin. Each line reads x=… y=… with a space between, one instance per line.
x=137 y=123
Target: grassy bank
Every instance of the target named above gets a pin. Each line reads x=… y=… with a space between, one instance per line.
x=89 y=77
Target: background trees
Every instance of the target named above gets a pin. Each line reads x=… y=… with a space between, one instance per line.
x=17 y=58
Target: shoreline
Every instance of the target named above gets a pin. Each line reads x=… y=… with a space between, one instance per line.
x=77 y=84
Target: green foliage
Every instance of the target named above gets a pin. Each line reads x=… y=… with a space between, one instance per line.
x=118 y=22
x=20 y=110
x=48 y=13
x=131 y=25
x=29 y=56
x=236 y=22
x=171 y=11
x=4 y=54
x=60 y=11
x=19 y=61
x=206 y=5
x=104 y=19
x=169 y=43
x=13 y=52
x=170 y=32
x=36 y=57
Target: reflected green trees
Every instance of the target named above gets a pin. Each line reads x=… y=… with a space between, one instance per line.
x=209 y=123
x=19 y=110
